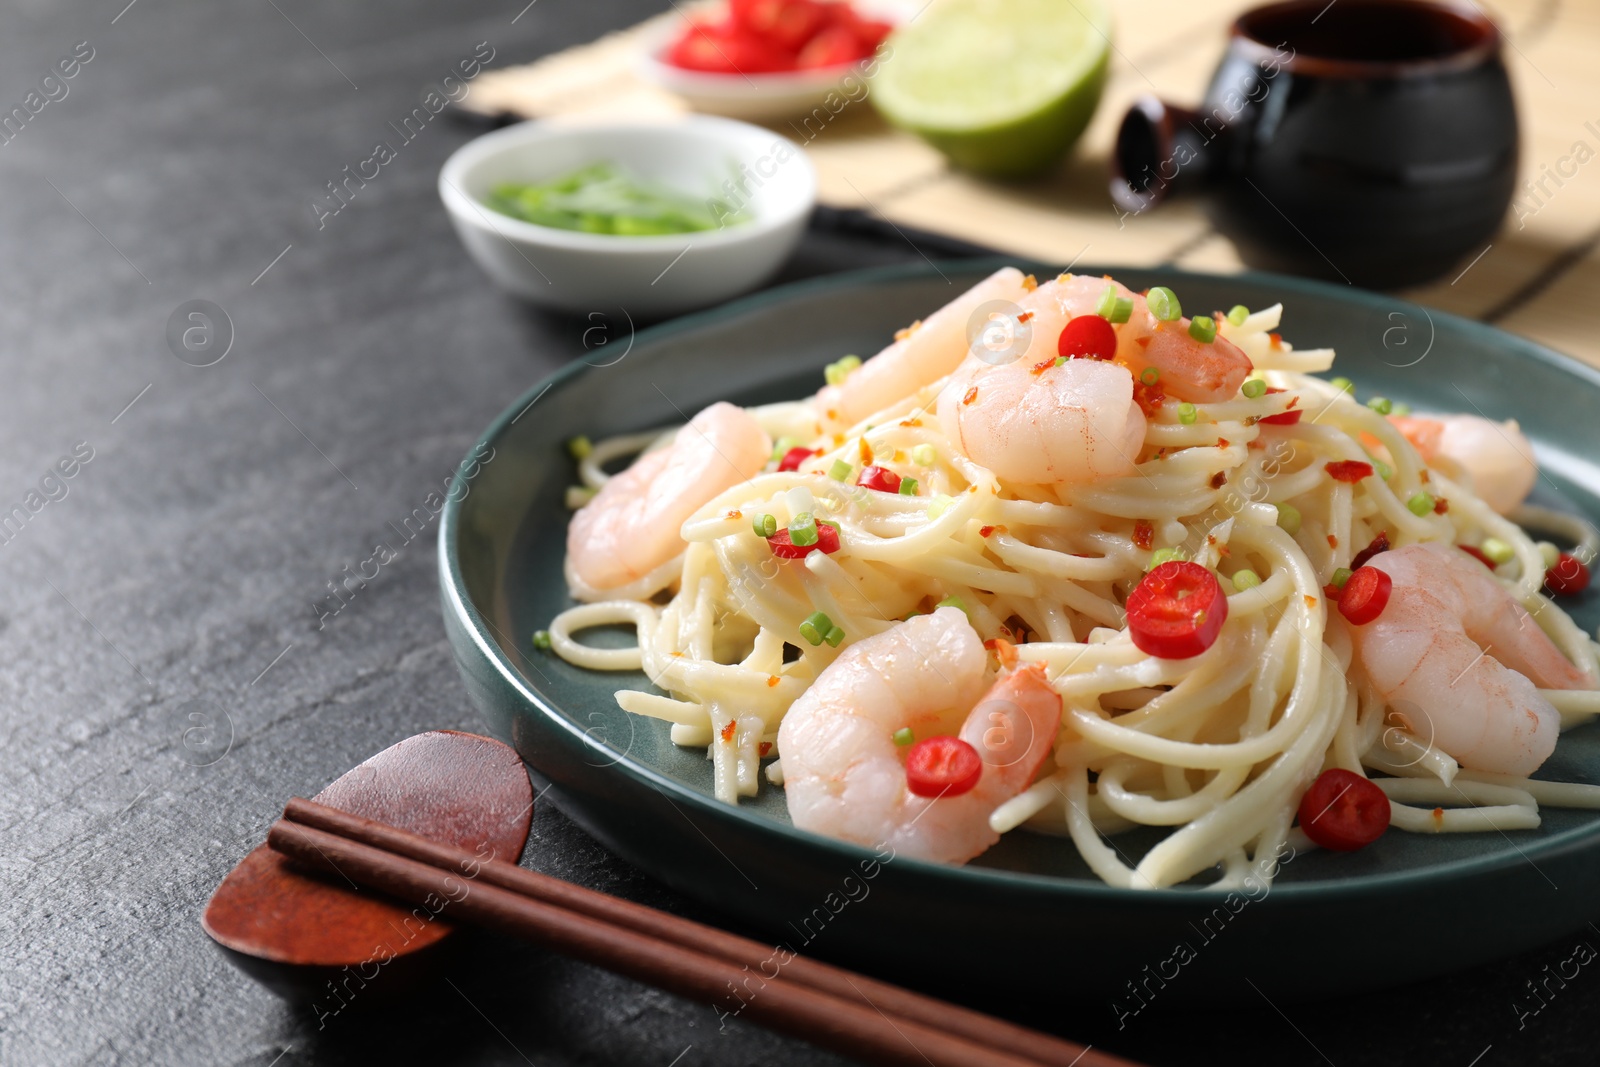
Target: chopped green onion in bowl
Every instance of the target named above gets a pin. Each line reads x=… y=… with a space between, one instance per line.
x=605 y=198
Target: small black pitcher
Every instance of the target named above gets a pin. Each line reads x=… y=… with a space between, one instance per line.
x=1368 y=141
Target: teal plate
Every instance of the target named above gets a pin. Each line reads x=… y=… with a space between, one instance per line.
x=1027 y=916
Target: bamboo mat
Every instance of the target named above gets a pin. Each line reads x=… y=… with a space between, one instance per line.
x=1538 y=277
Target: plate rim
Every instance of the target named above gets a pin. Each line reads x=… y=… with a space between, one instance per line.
x=467 y=616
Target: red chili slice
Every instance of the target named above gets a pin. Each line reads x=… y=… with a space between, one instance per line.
x=1283 y=418
x=1379 y=544
x=1176 y=611
x=788 y=24
x=784 y=548
x=1477 y=554
x=1365 y=595
x=726 y=47
x=830 y=48
x=942 y=767
x=794 y=457
x=1342 y=811
x=1087 y=337
x=1568 y=577
x=880 y=478
x=1348 y=470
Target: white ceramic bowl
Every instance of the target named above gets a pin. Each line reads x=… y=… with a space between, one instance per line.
x=653 y=276
x=756 y=97
x=770 y=97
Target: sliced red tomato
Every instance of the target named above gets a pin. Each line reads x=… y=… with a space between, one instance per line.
x=1568 y=577
x=880 y=478
x=942 y=767
x=1343 y=811
x=1177 y=610
x=1365 y=595
x=827 y=543
x=1087 y=337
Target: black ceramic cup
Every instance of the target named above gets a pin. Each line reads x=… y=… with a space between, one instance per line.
x=1366 y=141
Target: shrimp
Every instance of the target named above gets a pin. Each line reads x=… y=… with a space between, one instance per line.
x=1190 y=370
x=1072 y=423
x=844 y=776
x=1455 y=647
x=1495 y=456
x=1196 y=371
x=631 y=527
x=922 y=355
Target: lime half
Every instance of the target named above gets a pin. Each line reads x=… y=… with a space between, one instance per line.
x=1001 y=87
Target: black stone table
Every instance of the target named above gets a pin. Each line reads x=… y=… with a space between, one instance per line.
x=165 y=679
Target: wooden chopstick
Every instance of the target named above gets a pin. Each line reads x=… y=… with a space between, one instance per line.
x=818 y=1002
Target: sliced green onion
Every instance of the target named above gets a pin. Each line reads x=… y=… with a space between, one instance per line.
x=580 y=447
x=1550 y=553
x=785 y=445
x=1245 y=579
x=1123 y=310
x=1421 y=502
x=1203 y=328
x=815 y=627
x=1236 y=315
x=803 y=529
x=1343 y=385
x=1381 y=405
x=1061 y=361
x=1163 y=304
x=541 y=640
x=908 y=487
x=924 y=455
x=1165 y=555
x=840 y=470
x=1253 y=388
x=939 y=505
x=1149 y=376
x=833 y=637
x=1497 y=550
x=835 y=373
x=1106 y=306
x=904 y=736
x=953 y=602
x=764 y=525
x=578 y=495
x=1401 y=409
x=1187 y=414
x=1341 y=576
x=1384 y=471
x=1288 y=518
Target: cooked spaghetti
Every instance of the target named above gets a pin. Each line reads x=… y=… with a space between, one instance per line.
x=1010 y=473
